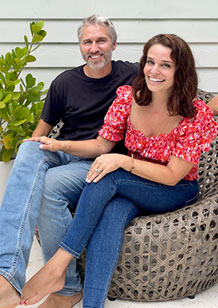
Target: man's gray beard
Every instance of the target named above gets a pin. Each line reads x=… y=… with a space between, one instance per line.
x=96 y=66
x=100 y=65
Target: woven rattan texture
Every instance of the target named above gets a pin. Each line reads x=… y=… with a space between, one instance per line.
x=173 y=255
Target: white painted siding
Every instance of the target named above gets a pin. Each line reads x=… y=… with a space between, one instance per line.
x=135 y=21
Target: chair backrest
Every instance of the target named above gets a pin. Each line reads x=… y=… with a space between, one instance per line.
x=208 y=167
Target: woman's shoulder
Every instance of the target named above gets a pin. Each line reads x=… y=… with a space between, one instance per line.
x=201 y=106
x=203 y=120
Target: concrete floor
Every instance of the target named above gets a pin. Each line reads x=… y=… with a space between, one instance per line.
x=206 y=299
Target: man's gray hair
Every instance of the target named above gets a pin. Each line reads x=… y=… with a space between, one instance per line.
x=98 y=20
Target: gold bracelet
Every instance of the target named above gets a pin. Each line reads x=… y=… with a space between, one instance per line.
x=132 y=163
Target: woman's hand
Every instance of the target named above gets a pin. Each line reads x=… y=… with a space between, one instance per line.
x=47 y=144
x=104 y=164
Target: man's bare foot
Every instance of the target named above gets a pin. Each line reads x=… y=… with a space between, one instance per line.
x=59 y=301
x=49 y=279
x=9 y=298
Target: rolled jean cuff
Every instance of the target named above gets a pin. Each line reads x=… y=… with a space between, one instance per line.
x=71 y=251
x=11 y=281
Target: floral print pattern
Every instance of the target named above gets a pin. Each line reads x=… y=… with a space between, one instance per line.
x=187 y=140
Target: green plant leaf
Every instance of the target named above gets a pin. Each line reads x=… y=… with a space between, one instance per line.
x=12 y=76
x=8 y=57
x=20 y=131
x=37 y=88
x=2 y=105
x=2 y=94
x=21 y=52
x=30 y=118
x=17 y=123
x=30 y=81
x=15 y=96
x=2 y=77
x=7 y=155
x=7 y=98
x=11 y=83
x=33 y=97
x=7 y=139
x=30 y=58
x=26 y=41
x=22 y=113
x=43 y=33
x=4 y=115
x=40 y=24
x=37 y=38
x=37 y=26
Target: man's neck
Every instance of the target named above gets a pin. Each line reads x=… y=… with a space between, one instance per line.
x=100 y=73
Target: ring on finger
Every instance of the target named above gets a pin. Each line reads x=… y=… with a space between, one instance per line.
x=97 y=170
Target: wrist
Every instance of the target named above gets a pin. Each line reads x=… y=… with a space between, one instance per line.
x=61 y=146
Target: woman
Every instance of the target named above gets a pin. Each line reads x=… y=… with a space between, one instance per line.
x=166 y=129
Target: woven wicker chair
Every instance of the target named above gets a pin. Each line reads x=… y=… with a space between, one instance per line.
x=172 y=255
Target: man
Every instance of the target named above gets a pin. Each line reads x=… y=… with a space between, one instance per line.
x=43 y=185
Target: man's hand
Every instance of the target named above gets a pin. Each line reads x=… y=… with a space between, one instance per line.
x=46 y=143
x=213 y=104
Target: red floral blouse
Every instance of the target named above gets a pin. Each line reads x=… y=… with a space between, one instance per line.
x=187 y=140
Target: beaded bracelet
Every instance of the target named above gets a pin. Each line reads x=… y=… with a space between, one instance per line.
x=132 y=163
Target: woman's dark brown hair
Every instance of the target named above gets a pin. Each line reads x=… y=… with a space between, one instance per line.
x=185 y=78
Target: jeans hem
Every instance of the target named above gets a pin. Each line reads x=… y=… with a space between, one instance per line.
x=69 y=293
x=71 y=251
x=11 y=281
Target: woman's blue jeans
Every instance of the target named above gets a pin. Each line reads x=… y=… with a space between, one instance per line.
x=119 y=187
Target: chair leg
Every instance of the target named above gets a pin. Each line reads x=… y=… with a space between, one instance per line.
x=191 y=296
x=111 y=298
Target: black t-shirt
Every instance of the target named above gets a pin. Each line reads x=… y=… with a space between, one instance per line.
x=82 y=102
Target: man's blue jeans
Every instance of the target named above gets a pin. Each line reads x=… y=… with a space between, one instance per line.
x=23 y=207
x=40 y=188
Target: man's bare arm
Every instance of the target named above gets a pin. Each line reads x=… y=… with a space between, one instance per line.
x=213 y=104
x=42 y=129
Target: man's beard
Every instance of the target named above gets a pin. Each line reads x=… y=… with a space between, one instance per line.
x=98 y=65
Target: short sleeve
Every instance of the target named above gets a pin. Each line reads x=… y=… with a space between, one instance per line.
x=196 y=134
x=115 y=120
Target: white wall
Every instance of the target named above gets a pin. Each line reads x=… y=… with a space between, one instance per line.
x=136 y=21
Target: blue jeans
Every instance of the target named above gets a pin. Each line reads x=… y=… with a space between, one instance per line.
x=97 y=198
x=22 y=206
x=104 y=248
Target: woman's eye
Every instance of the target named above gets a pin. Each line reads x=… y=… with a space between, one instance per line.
x=166 y=65
x=150 y=62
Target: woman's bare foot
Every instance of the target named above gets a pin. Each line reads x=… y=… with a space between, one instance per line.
x=49 y=279
x=60 y=301
x=9 y=298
